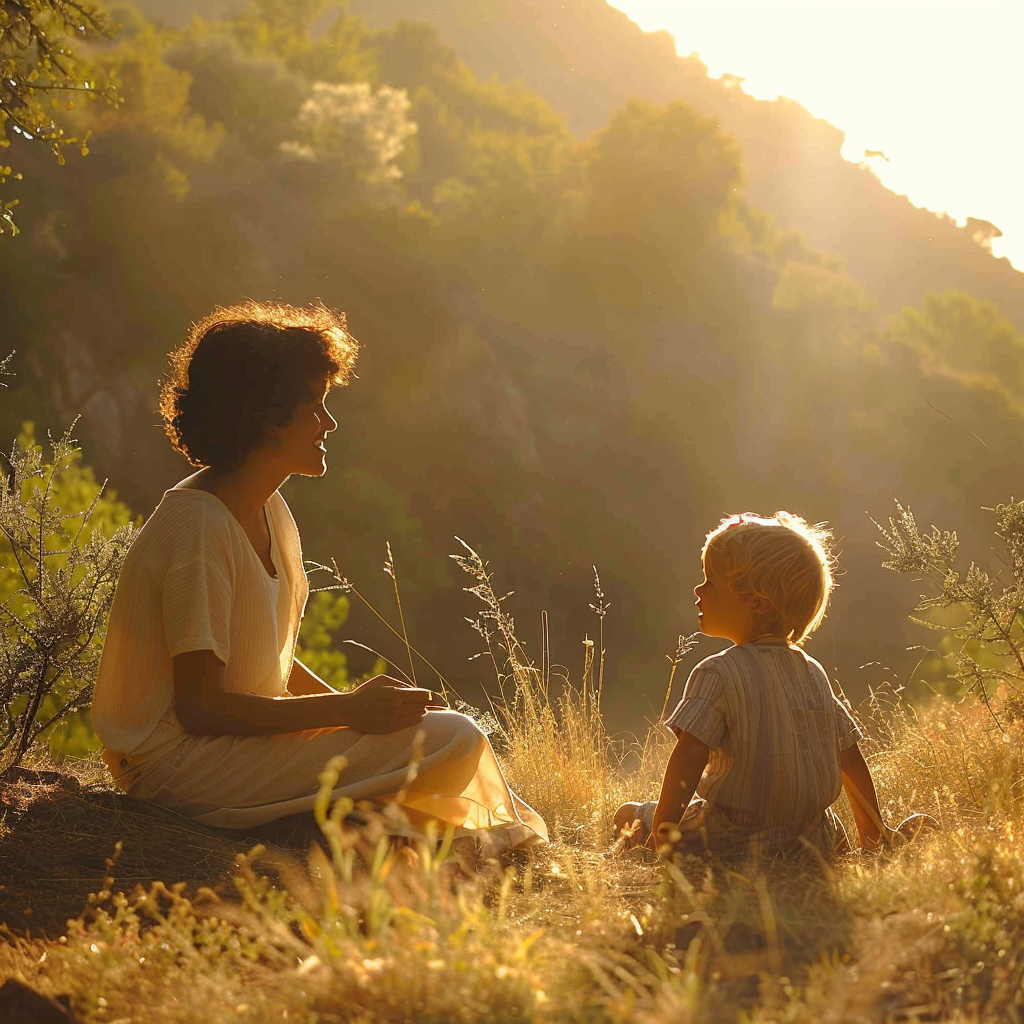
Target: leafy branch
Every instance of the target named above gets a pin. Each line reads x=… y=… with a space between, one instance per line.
x=990 y=626
x=59 y=582
x=36 y=64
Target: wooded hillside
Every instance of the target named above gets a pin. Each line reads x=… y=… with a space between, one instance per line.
x=577 y=350
x=587 y=58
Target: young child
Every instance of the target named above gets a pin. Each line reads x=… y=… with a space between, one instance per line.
x=763 y=743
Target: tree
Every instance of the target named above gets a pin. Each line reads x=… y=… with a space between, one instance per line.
x=317 y=39
x=662 y=174
x=831 y=304
x=971 y=336
x=982 y=232
x=40 y=74
x=513 y=193
x=254 y=94
x=355 y=131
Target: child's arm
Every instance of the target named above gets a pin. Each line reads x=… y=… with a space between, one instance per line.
x=860 y=791
x=685 y=766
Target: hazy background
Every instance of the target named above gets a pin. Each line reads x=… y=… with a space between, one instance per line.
x=932 y=84
x=604 y=300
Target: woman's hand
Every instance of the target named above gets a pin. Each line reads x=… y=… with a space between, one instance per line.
x=383 y=704
x=203 y=707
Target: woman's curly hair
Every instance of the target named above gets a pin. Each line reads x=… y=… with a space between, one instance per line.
x=243 y=371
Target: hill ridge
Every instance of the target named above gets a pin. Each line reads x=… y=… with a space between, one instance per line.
x=591 y=58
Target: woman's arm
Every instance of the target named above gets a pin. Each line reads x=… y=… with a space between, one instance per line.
x=860 y=791
x=379 y=705
x=685 y=766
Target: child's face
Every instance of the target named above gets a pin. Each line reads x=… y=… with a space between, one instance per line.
x=721 y=610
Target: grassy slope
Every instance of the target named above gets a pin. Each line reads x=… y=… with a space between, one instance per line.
x=928 y=932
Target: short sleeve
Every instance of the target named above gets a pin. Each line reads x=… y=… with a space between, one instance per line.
x=848 y=729
x=700 y=711
x=197 y=595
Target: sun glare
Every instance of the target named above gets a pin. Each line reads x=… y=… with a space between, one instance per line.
x=932 y=85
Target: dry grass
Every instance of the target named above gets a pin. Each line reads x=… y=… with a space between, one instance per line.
x=366 y=932
x=362 y=931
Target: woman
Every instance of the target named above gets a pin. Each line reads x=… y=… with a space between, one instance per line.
x=200 y=702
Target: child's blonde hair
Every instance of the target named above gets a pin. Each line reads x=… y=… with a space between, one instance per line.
x=782 y=559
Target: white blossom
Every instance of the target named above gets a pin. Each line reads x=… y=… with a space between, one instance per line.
x=355 y=126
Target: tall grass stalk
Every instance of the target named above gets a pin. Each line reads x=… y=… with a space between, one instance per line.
x=684 y=645
x=554 y=744
x=601 y=610
x=346 y=586
x=389 y=568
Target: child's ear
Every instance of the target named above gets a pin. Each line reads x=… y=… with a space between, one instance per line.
x=759 y=605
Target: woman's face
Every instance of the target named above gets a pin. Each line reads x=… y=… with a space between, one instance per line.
x=301 y=444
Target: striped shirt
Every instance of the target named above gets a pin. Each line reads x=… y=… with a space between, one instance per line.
x=774 y=729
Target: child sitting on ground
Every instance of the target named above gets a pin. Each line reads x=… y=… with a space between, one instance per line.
x=763 y=744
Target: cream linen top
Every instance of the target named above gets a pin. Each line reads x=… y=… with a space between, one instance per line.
x=775 y=730
x=192 y=581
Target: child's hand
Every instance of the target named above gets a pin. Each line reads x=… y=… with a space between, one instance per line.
x=628 y=827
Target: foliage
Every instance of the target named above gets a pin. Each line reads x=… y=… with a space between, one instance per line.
x=556 y=328
x=987 y=614
x=372 y=932
x=359 y=132
x=316 y=38
x=317 y=646
x=62 y=543
x=41 y=74
x=662 y=173
x=510 y=186
x=155 y=133
x=255 y=93
x=969 y=334
x=833 y=303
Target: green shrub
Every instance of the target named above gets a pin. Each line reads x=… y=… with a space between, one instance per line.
x=62 y=542
x=980 y=612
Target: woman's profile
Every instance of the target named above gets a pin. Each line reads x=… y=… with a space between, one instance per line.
x=200 y=702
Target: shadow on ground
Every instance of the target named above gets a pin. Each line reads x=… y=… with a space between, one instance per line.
x=58 y=842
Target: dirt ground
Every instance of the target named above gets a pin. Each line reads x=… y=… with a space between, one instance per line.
x=58 y=842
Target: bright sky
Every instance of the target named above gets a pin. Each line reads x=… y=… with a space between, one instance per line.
x=937 y=85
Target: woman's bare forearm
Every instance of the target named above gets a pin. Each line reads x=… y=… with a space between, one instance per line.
x=205 y=708
x=249 y=714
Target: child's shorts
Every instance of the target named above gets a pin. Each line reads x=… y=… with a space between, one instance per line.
x=645 y=814
x=706 y=829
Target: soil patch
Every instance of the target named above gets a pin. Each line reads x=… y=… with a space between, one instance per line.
x=58 y=842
